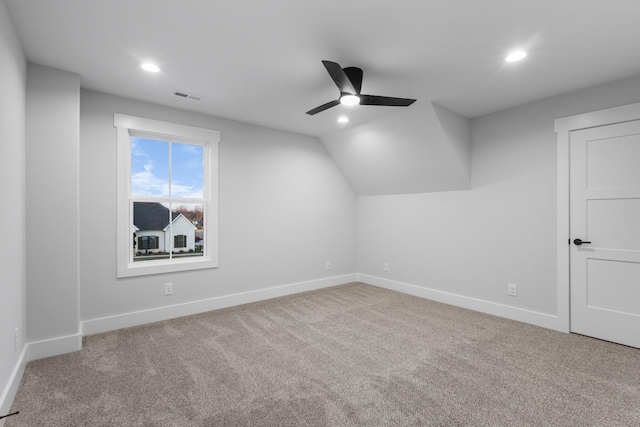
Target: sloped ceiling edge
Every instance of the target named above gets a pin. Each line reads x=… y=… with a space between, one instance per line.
x=423 y=148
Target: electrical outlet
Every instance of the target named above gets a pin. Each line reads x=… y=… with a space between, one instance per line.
x=168 y=289
x=385 y=266
x=16 y=338
x=327 y=265
x=512 y=290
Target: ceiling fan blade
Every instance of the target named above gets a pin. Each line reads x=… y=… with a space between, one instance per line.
x=355 y=77
x=323 y=107
x=339 y=77
x=385 y=100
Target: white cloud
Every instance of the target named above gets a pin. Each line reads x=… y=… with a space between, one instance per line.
x=147 y=184
x=186 y=191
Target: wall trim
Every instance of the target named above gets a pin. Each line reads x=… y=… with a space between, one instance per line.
x=563 y=128
x=126 y=320
x=54 y=346
x=544 y=320
x=10 y=390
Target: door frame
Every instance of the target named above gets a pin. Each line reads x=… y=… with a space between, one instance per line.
x=563 y=128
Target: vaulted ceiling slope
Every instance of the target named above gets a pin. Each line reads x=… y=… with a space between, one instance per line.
x=421 y=149
x=260 y=62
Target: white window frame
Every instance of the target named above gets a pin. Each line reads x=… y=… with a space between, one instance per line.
x=126 y=126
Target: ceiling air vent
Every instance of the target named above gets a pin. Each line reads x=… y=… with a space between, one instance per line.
x=188 y=96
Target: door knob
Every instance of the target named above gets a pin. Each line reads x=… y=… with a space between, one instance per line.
x=579 y=242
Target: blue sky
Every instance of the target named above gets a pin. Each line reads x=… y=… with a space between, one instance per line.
x=150 y=169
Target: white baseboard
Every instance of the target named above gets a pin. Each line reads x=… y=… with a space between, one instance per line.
x=10 y=390
x=105 y=324
x=509 y=312
x=54 y=347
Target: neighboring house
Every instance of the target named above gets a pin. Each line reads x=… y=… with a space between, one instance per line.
x=152 y=232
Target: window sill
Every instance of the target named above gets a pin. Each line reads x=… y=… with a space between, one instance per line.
x=145 y=268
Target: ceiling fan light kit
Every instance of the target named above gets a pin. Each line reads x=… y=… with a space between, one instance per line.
x=349 y=100
x=516 y=56
x=349 y=83
x=150 y=67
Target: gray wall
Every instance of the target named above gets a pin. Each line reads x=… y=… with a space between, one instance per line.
x=53 y=109
x=285 y=209
x=13 y=71
x=503 y=230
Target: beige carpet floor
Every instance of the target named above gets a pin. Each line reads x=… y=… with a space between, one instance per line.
x=351 y=355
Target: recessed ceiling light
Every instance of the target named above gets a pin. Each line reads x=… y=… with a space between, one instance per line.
x=148 y=66
x=349 y=100
x=516 y=56
x=343 y=119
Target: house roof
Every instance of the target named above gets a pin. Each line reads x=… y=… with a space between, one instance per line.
x=151 y=216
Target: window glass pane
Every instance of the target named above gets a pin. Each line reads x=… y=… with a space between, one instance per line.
x=149 y=167
x=187 y=229
x=187 y=171
x=179 y=241
x=150 y=225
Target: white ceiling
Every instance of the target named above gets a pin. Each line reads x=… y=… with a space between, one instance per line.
x=259 y=61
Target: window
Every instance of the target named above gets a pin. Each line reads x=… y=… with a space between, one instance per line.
x=148 y=242
x=167 y=192
x=181 y=241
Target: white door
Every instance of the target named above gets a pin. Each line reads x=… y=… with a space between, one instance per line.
x=605 y=214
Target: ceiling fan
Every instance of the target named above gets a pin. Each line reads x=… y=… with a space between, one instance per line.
x=349 y=82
